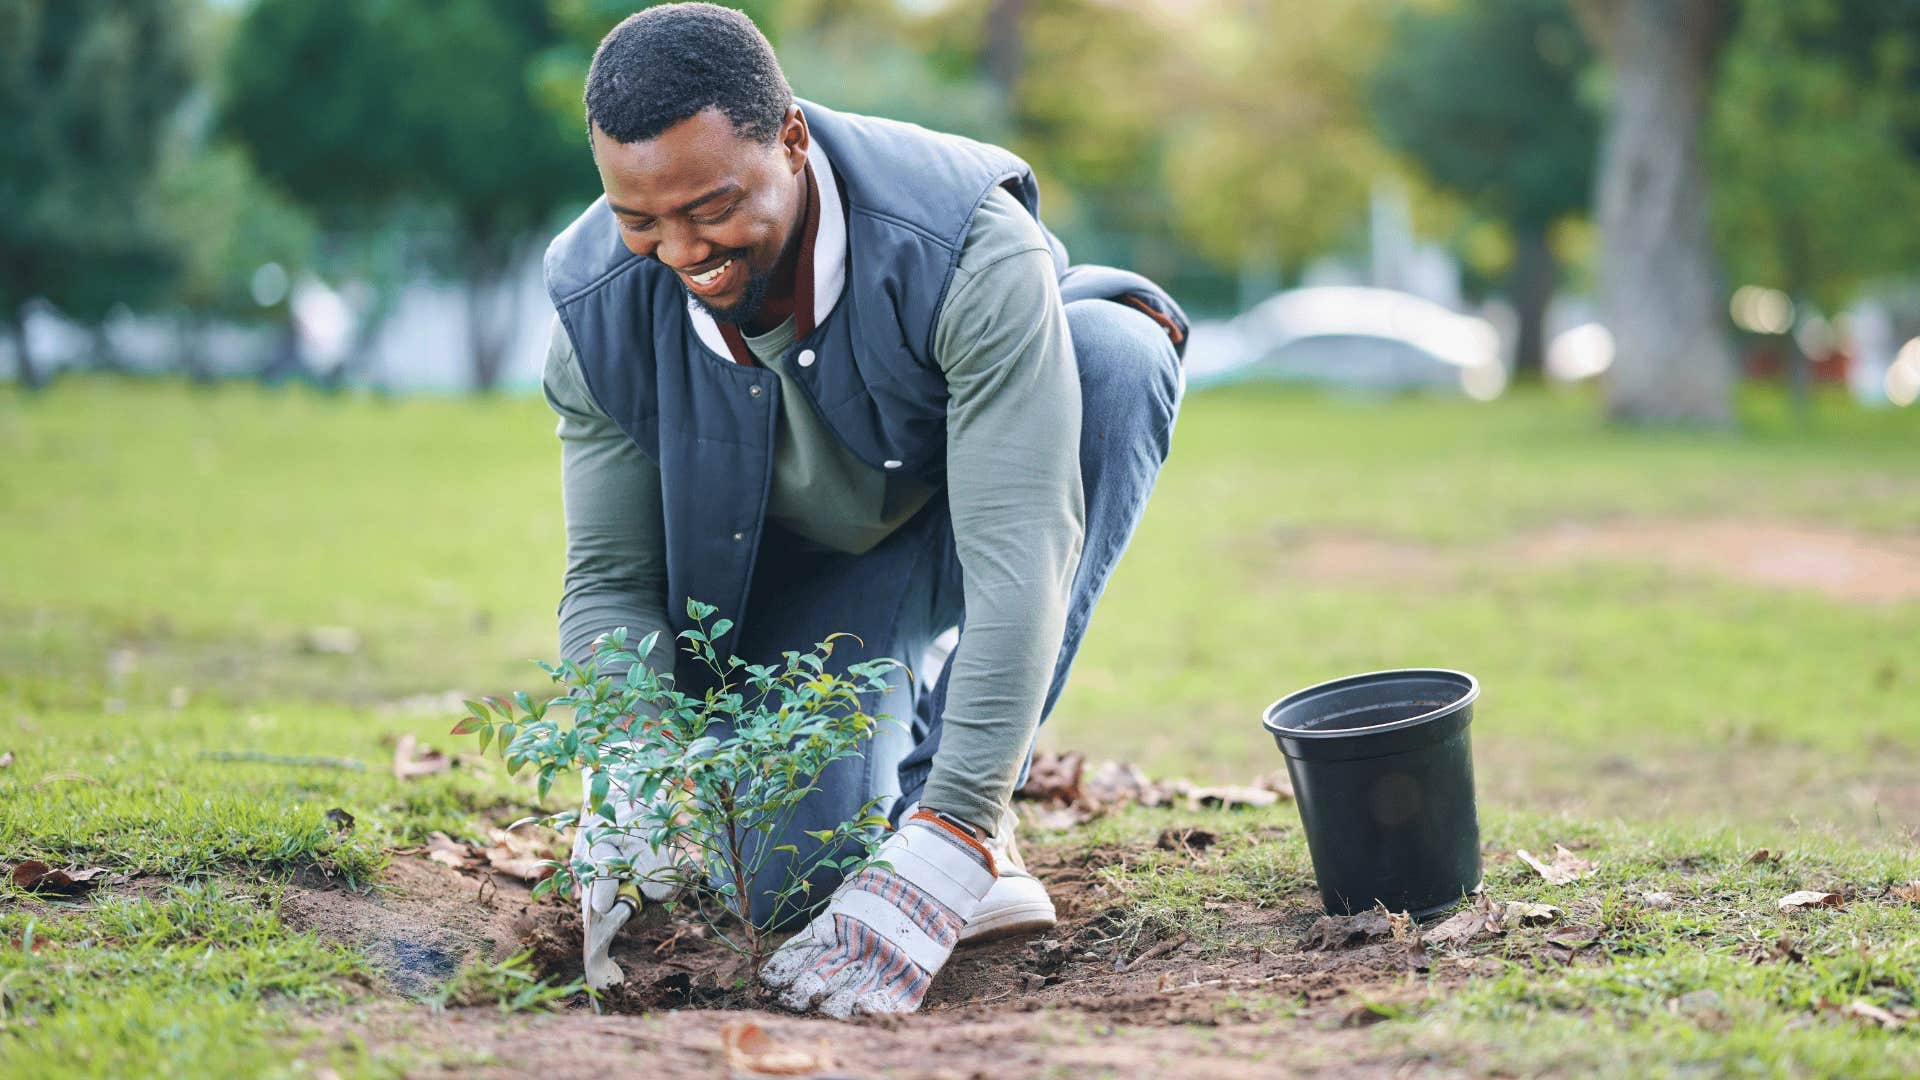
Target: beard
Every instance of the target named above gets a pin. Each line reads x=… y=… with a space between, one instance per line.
x=746 y=309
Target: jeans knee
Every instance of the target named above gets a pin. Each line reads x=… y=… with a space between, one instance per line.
x=1129 y=373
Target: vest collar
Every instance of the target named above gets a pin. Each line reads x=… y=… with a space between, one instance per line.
x=829 y=255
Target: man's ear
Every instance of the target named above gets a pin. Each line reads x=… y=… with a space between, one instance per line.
x=794 y=139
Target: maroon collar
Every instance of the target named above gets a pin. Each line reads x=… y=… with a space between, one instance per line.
x=802 y=286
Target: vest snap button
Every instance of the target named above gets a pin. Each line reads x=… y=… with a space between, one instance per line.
x=806 y=358
x=738 y=537
x=754 y=390
x=891 y=464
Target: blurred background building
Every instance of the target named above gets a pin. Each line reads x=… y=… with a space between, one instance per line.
x=1381 y=195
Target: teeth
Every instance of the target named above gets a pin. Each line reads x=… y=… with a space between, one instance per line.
x=712 y=275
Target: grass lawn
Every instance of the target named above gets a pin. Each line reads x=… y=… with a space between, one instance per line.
x=219 y=610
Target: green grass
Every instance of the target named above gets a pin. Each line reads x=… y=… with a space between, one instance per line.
x=198 y=983
x=1624 y=1009
x=166 y=552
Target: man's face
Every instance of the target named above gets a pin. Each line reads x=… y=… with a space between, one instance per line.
x=716 y=208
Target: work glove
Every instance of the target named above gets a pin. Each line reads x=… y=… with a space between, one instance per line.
x=608 y=901
x=886 y=931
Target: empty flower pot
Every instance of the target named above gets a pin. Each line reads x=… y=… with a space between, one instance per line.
x=1382 y=769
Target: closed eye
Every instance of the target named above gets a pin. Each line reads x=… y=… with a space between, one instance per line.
x=715 y=219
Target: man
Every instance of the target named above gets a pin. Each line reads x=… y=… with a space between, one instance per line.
x=830 y=373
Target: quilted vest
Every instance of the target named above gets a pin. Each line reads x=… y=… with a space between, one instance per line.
x=709 y=423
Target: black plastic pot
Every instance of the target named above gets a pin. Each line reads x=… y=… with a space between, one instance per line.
x=1382 y=769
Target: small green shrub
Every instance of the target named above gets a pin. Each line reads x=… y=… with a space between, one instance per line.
x=716 y=775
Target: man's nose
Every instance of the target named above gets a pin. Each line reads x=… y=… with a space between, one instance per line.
x=681 y=247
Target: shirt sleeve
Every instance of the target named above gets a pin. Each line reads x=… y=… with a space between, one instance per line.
x=1013 y=480
x=616 y=571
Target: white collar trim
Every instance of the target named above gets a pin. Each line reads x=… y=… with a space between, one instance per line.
x=829 y=255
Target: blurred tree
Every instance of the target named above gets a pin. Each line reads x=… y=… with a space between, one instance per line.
x=365 y=108
x=1816 y=120
x=1485 y=99
x=226 y=225
x=88 y=88
x=1661 y=293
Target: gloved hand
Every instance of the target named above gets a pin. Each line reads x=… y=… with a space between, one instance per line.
x=885 y=932
x=607 y=902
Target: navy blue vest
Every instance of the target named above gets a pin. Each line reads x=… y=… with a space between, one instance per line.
x=709 y=423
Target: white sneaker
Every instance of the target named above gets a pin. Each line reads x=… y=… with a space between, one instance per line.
x=1017 y=903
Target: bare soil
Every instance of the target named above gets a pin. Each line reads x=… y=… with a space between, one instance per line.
x=1082 y=1000
x=1836 y=563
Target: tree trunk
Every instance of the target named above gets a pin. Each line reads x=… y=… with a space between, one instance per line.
x=491 y=308
x=1002 y=53
x=23 y=365
x=1660 y=290
x=1535 y=276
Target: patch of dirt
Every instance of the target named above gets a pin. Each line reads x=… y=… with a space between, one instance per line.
x=422 y=923
x=1837 y=563
x=1084 y=999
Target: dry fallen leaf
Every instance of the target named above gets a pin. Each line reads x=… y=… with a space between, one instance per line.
x=6 y=759
x=519 y=854
x=1659 y=901
x=447 y=851
x=1053 y=778
x=36 y=875
x=1279 y=783
x=1910 y=892
x=1477 y=921
x=341 y=821
x=1117 y=783
x=1565 y=868
x=751 y=1050
x=1525 y=913
x=1862 y=1009
x=407 y=765
x=1232 y=797
x=1764 y=856
x=1810 y=898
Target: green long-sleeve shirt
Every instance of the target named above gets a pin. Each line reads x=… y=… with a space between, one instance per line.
x=1013 y=485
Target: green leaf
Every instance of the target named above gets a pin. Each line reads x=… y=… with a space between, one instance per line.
x=468 y=725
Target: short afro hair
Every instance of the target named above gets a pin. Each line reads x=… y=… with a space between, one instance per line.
x=670 y=63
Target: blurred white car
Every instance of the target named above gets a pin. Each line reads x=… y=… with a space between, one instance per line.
x=1351 y=336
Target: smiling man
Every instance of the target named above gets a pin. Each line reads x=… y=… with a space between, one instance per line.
x=830 y=373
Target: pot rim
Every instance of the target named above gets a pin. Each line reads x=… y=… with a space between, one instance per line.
x=1472 y=692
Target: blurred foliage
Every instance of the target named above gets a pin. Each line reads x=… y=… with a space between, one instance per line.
x=1817 y=121
x=165 y=149
x=1486 y=100
x=366 y=108
x=89 y=88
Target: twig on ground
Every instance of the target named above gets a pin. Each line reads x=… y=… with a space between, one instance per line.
x=1154 y=953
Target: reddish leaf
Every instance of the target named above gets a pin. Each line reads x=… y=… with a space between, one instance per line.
x=36 y=875
x=752 y=1051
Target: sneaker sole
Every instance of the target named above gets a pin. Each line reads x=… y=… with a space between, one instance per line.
x=1019 y=919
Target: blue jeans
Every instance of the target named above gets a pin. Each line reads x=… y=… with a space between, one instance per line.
x=907 y=591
